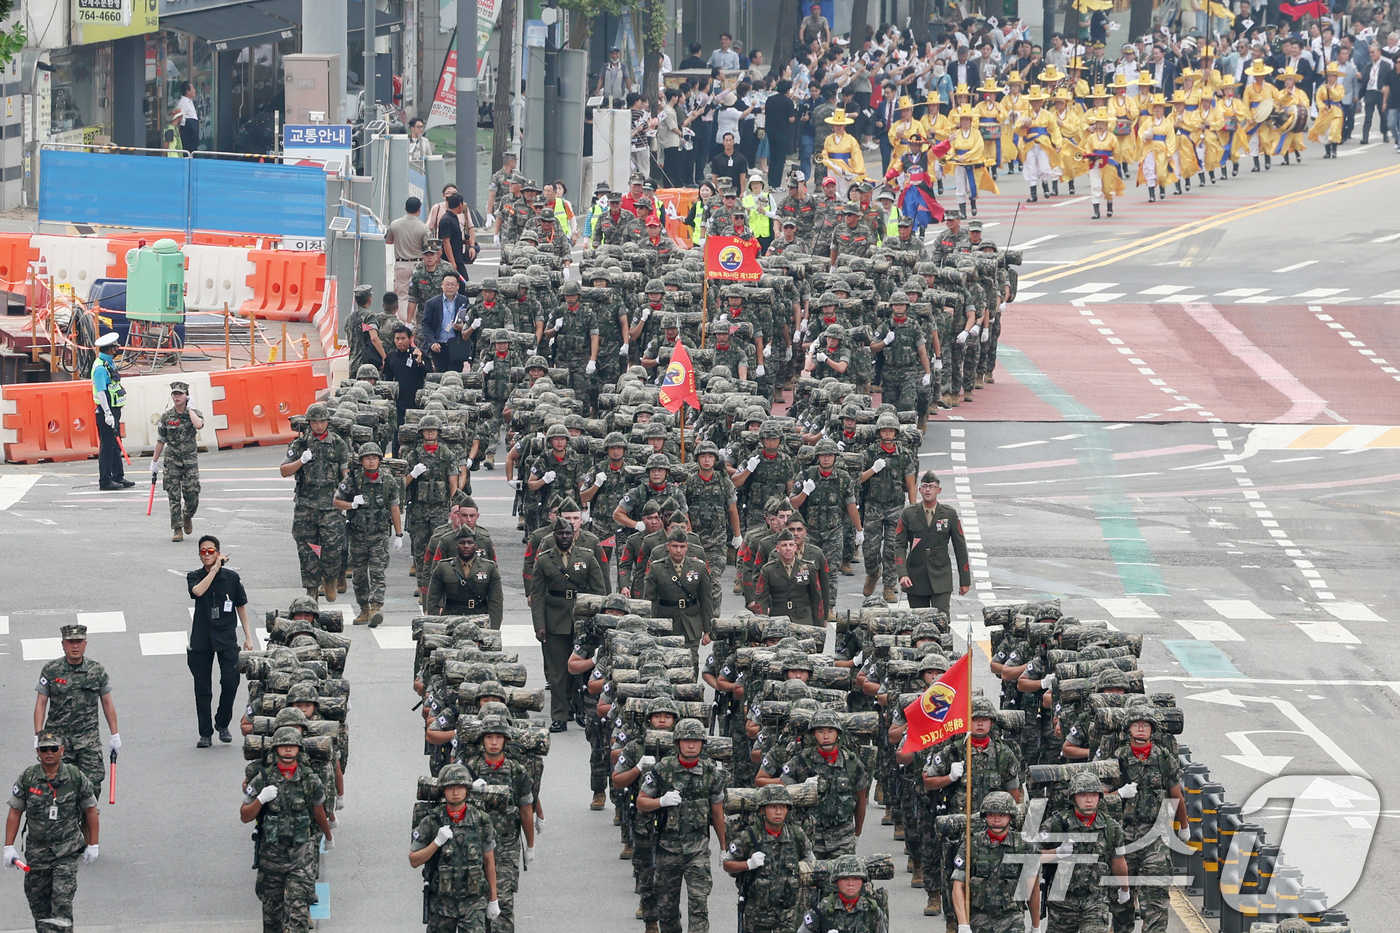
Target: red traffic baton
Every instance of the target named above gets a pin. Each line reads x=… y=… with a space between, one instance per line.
x=151 y=499
x=112 y=774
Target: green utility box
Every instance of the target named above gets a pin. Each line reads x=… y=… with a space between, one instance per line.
x=155 y=283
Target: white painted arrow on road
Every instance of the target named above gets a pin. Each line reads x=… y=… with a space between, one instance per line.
x=1251 y=757
x=1304 y=724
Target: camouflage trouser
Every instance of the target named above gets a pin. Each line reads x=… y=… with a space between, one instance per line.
x=694 y=870
x=457 y=915
x=85 y=753
x=1080 y=915
x=599 y=766
x=904 y=389
x=972 y=354
x=716 y=556
x=881 y=541
x=1000 y=922
x=932 y=854
x=644 y=877
x=507 y=883
x=1154 y=860
x=760 y=918
x=324 y=528
x=952 y=363
x=369 y=562
x=832 y=540
x=422 y=519
x=286 y=898
x=585 y=386
x=181 y=483
x=50 y=890
x=834 y=841
x=989 y=349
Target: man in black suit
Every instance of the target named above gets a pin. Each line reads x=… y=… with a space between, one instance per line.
x=780 y=126
x=435 y=332
x=1375 y=78
x=1162 y=71
x=1300 y=61
x=964 y=71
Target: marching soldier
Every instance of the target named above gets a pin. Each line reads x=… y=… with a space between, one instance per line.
x=764 y=860
x=425 y=281
x=889 y=486
x=1084 y=905
x=468 y=584
x=632 y=762
x=790 y=586
x=362 y=331
x=842 y=782
x=372 y=497
x=431 y=483
x=177 y=435
x=560 y=574
x=921 y=549
x=59 y=807
x=69 y=691
x=319 y=459
x=680 y=590
x=830 y=501
x=460 y=843
x=557 y=473
x=714 y=512
x=511 y=813
x=286 y=799
x=988 y=890
x=851 y=909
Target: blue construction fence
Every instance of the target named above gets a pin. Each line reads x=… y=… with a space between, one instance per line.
x=128 y=190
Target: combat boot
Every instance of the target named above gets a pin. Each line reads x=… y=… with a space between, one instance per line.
x=598 y=801
x=909 y=866
x=313 y=591
x=898 y=831
x=490 y=463
x=890 y=595
x=918 y=880
x=413 y=570
x=991 y=380
x=651 y=927
x=340 y=582
x=617 y=816
x=330 y=589
x=738 y=587
x=922 y=423
x=1096 y=212
x=363 y=617
x=846 y=570
x=888 y=820
x=625 y=854
x=376 y=614
x=935 y=905
x=979 y=383
x=178 y=535
x=189 y=524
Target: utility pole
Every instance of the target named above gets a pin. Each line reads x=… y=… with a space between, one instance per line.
x=466 y=101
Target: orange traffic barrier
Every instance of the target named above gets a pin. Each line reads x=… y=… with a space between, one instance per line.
x=216 y=238
x=51 y=421
x=259 y=402
x=287 y=286
x=680 y=199
x=15 y=256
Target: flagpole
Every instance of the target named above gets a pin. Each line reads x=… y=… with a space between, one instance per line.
x=967 y=769
x=682 y=413
x=704 y=310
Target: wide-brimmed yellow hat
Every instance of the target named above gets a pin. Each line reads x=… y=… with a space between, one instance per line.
x=933 y=100
x=1258 y=70
x=1075 y=64
x=1051 y=74
x=965 y=110
x=905 y=103
x=1179 y=98
x=1099 y=115
x=1036 y=92
x=962 y=90
x=1289 y=73
x=839 y=118
x=1189 y=72
x=1014 y=77
x=1099 y=91
x=989 y=86
x=1120 y=79
x=1333 y=68
x=1062 y=94
x=1145 y=79
x=1158 y=100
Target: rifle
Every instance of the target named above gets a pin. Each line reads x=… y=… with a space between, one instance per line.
x=743 y=881
x=430 y=869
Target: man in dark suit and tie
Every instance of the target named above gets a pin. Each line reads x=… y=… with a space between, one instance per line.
x=435 y=331
x=921 y=549
x=964 y=71
x=1163 y=71
x=1301 y=62
x=1374 y=77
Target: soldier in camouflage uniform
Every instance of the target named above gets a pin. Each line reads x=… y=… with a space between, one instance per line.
x=787 y=242
x=558 y=473
x=286 y=799
x=842 y=782
x=430 y=483
x=59 y=806
x=740 y=356
x=714 y=513
x=459 y=840
x=1082 y=906
x=362 y=330
x=373 y=498
x=319 y=460
x=827 y=357
x=69 y=691
x=632 y=764
x=829 y=501
x=764 y=858
x=575 y=333
x=852 y=238
x=658 y=486
x=425 y=281
x=511 y=812
x=610 y=317
x=1001 y=874
x=1000 y=291
x=1149 y=775
x=603 y=491
x=798 y=208
x=826 y=217
x=851 y=909
x=616 y=226
x=949 y=238
x=495 y=366
x=908 y=375
x=889 y=486
x=498 y=185
x=768 y=472
x=177 y=435
x=690 y=788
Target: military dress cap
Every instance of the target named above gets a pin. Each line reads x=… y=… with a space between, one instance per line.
x=772 y=795
x=1085 y=782
x=74 y=632
x=690 y=729
x=432 y=245
x=904 y=221
x=930 y=477
x=974 y=226
x=286 y=736
x=361 y=290
x=784 y=535
x=466 y=531
x=676 y=534
x=561 y=525
x=49 y=739
x=429 y=423
x=568 y=504
x=318 y=411
x=999 y=801
x=652 y=508
x=850 y=207
x=454 y=776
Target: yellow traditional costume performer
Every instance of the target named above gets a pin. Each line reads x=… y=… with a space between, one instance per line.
x=1038 y=142
x=1185 y=160
x=1329 y=112
x=1012 y=106
x=1294 y=101
x=1259 y=102
x=996 y=142
x=1208 y=148
x=1100 y=154
x=1228 y=122
x=903 y=127
x=936 y=127
x=841 y=154
x=1072 y=129
x=1123 y=115
x=1158 y=138
x=967 y=160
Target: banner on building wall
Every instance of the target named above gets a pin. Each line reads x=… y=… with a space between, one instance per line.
x=104 y=20
x=444 y=109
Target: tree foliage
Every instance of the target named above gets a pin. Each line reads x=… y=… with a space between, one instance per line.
x=12 y=39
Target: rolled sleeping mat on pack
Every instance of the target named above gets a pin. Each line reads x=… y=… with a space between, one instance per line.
x=1106 y=769
x=741 y=799
x=509 y=675
x=685 y=693
x=821 y=871
x=1172 y=721
x=659 y=743
x=1072 y=691
x=516 y=698
x=587 y=605
x=315 y=747
x=524 y=738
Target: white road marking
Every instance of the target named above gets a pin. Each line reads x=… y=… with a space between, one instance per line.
x=1209 y=630
x=13 y=487
x=1387 y=239
x=1237 y=609
x=394 y=637
x=101 y=622
x=1040 y=239
x=1129 y=608
x=163 y=643
x=1320 y=292
x=1022 y=444
x=4 y=625
x=1299 y=265
x=1242 y=292
x=1351 y=611
x=41 y=649
x=1090 y=287
x=1164 y=289
x=1324 y=741
x=1328 y=632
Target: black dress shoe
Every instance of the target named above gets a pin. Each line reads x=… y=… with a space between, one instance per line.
x=126 y=483
x=110 y=487
x=204 y=741
x=559 y=725
x=225 y=736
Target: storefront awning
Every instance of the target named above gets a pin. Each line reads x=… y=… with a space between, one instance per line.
x=241 y=25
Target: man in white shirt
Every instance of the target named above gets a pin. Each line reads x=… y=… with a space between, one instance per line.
x=1375 y=79
x=187 y=117
x=724 y=57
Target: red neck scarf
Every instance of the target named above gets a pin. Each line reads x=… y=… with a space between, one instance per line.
x=829 y=757
x=371 y=476
x=824 y=473
x=496 y=765
x=502 y=354
x=888 y=450
x=488 y=304
x=430 y=448
x=982 y=743
x=688 y=764
x=661 y=488
x=774 y=833
x=656 y=306
x=322 y=437
x=848 y=903
x=287 y=772
x=1141 y=752
x=457 y=814
x=1088 y=821
x=996 y=837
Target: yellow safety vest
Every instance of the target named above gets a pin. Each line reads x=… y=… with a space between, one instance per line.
x=892 y=223
x=697 y=229
x=561 y=217
x=759 y=221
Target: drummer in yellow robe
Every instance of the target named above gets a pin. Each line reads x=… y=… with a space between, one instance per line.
x=1227 y=122
x=996 y=141
x=1291 y=136
x=1012 y=106
x=1185 y=159
x=1157 y=134
x=1038 y=143
x=1259 y=99
x=903 y=127
x=1329 y=112
x=967 y=159
x=1123 y=113
x=1100 y=155
x=1072 y=130
x=841 y=154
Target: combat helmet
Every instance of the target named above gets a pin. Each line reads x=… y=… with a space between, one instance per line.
x=797 y=662
x=1085 y=782
x=614 y=439
x=658 y=462
x=982 y=708
x=663 y=705
x=367 y=371
x=454 y=775
x=690 y=729
x=774 y=794
x=289 y=716
x=318 y=411
x=828 y=719
x=886 y=421
x=850 y=866
x=827 y=446
x=369 y=449
x=614 y=601
x=429 y=423
x=304 y=604
x=498 y=725
x=569 y=288
x=286 y=736
x=303 y=693
x=770 y=429
x=556 y=430
x=999 y=801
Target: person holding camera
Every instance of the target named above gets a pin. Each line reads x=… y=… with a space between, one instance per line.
x=218 y=595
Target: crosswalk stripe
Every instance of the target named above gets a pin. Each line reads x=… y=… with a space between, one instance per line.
x=1090 y=288
x=103 y=622
x=41 y=649
x=394 y=637
x=13 y=487
x=163 y=643
x=4 y=625
x=1129 y=608
x=1209 y=630
x=1237 y=609
x=1351 y=612
x=1328 y=632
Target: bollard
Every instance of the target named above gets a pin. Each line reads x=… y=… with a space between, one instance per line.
x=1267 y=894
x=1236 y=885
x=1227 y=823
x=1194 y=776
x=1335 y=916
x=1211 y=796
x=1312 y=904
x=1288 y=882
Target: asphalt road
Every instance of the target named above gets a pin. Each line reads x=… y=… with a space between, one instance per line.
x=1256 y=558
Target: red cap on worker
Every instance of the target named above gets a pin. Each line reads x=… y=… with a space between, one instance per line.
x=829 y=180
x=653 y=221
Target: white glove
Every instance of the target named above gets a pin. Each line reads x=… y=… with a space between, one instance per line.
x=736 y=541
x=495 y=239
x=821 y=357
x=808 y=486
x=888 y=338
x=471 y=462
x=529 y=854
x=418 y=470
x=964 y=928
x=962 y=337
x=647 y=761
x=1184 y=834
x=937 y=366
x=513 y=483
x=841 y=445
x=340 y=803
x=155 y=468
x=267 y=794
x=490 y=365
x=860 y=537
x=974 y=330
x=878 y=465
x=558 y=323
x=306 y=455
x=955 y=771
x=599 y=479
x=760 y=371
x=1047 y=681
x=444 y=836
x=752 y=463
x=107 y=416
x=539 y=824
x=859 y=659
x=116 y=743
x=493 y=910
x=478 y=784
x=490 y=220
x=398 y=542
x=622 y=350
x=672 y=798
x=1124 y=896
x=36 y=740
x=928 y=378
x=756 y=860
x=476 y=324
x=1065 y=849
x=11 y=856
x=549 y=477
x=591 y=368
x=986 y=335
x=1128 y=791
x=788 y=356
x=356 y=502
x=767 y=351
x=90 y=855
x=646 y=314
x=812 y=780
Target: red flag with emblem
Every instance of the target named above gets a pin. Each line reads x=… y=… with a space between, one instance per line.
x=732 y=257
x=678 y=385
x=941 y=711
